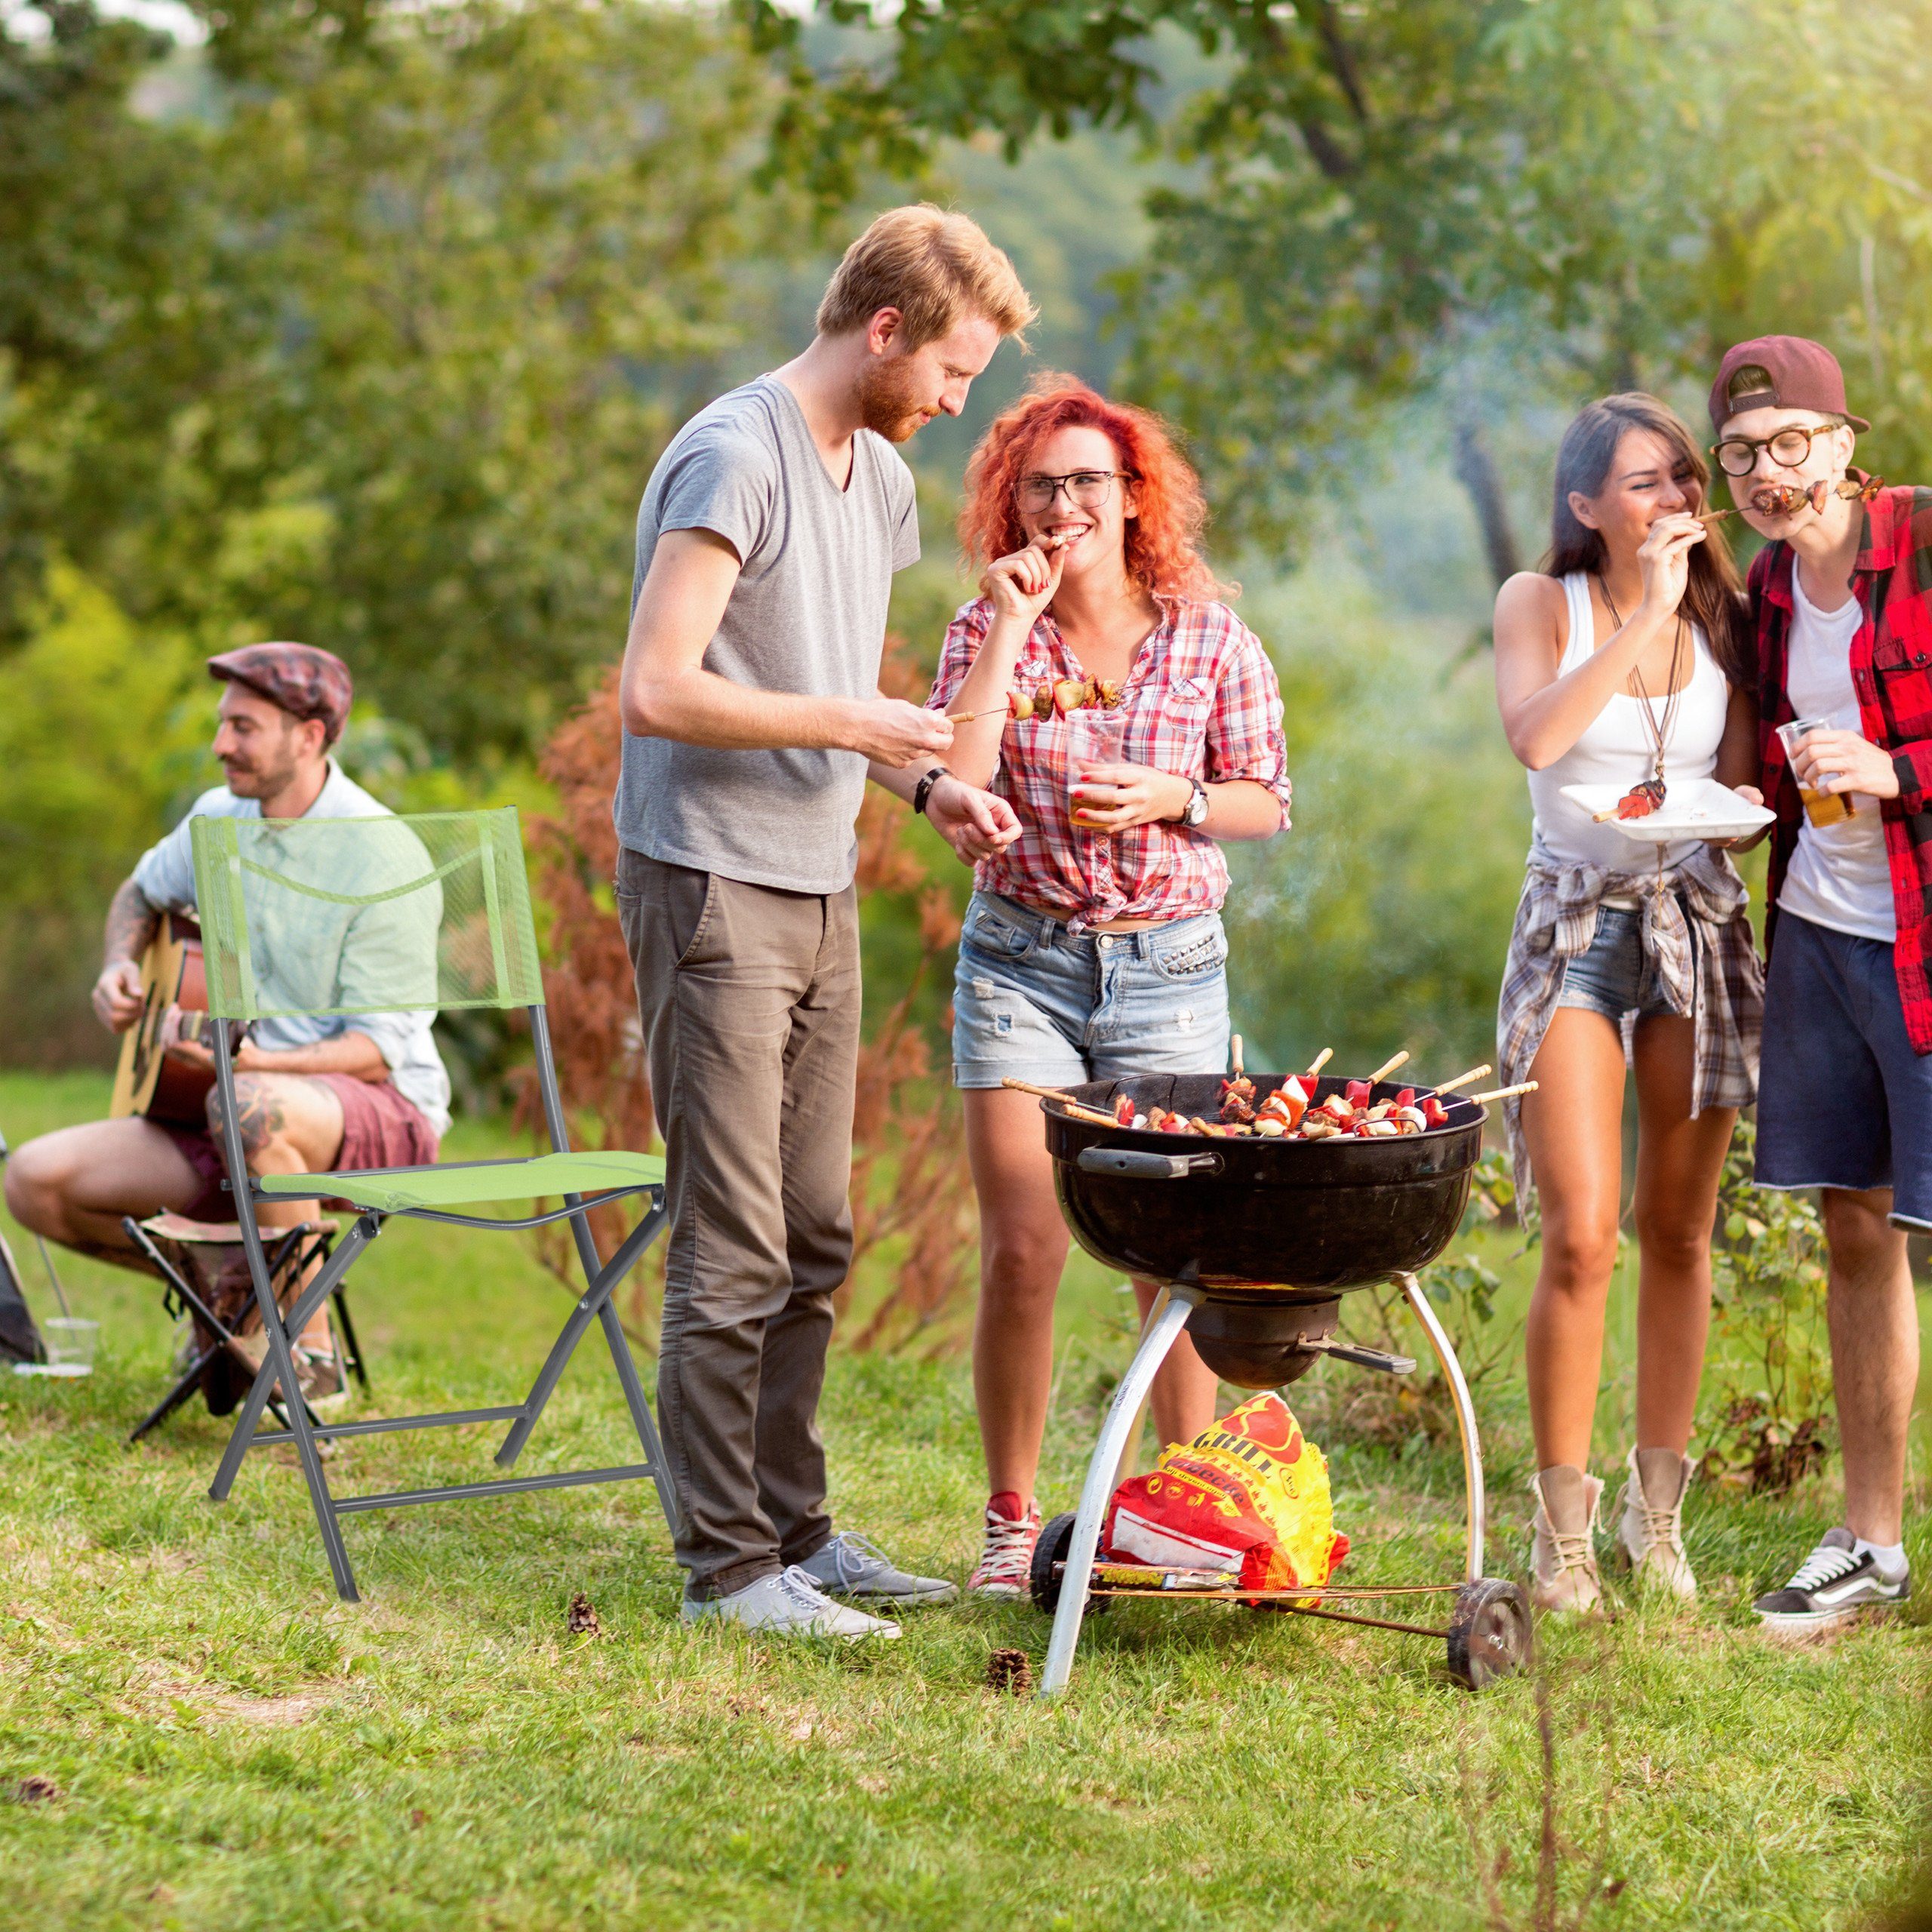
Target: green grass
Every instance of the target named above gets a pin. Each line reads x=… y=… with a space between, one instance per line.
x=234 y=1748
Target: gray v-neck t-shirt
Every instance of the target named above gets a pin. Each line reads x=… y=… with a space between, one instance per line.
x=807 y=615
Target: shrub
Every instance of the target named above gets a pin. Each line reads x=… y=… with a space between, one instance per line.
x=1768 y=1401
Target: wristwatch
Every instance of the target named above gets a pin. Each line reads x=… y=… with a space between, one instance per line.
x=923 y=790
x=1197 y=806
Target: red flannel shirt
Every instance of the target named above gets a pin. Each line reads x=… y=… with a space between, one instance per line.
x=1891 y=672
x=1201 y=701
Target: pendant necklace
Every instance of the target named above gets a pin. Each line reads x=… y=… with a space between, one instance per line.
x=1644 y=797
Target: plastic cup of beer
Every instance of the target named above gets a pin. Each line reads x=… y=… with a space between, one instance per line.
x=70 y=1345
x=1820 y=807
x=1093 y=739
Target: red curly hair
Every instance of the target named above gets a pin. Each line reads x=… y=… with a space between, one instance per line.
x=1162 y=542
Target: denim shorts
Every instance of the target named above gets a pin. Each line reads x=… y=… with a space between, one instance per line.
x=1033 y=1000
x=1843 y=1101
x=1613 y=975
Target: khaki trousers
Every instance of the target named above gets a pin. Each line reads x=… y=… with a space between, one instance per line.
x=749 y=1001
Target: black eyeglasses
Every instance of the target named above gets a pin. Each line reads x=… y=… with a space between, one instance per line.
x=1085 y=489
x=1737 y=455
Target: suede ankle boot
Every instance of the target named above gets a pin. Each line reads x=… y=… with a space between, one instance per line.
x=1563 y=1557
x=1650 y=1530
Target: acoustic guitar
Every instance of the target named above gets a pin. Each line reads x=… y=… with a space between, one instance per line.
x=153 y=1082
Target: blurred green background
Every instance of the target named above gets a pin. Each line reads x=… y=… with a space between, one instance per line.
x=364 y=323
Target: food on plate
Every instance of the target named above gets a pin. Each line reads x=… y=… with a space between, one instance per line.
x=1638 y=802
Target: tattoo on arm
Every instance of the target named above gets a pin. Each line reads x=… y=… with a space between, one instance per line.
x=131 y=920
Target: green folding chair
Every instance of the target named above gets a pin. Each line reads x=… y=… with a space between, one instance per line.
x=325 y=917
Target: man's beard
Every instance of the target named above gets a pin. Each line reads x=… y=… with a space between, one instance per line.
x=888 y=399
x=253 y=782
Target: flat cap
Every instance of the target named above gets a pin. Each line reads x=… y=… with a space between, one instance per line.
x=302 y=679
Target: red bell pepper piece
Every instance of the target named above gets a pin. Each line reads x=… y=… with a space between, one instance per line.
x=1434 y=1112
x=1358 y=1092
x=1406 y=1098
x=1123 y=1111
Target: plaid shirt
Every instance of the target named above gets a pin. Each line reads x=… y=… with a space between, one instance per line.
x=1891 y=672
x=1201 y=702
x=1696 y=933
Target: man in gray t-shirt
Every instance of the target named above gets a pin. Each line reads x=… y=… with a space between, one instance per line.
x=806 y=614
x=766 y=545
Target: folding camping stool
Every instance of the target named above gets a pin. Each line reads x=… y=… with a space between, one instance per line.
x=204 y=1270
x=341 y=917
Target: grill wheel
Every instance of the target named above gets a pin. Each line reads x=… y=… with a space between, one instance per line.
x=1489 y=1634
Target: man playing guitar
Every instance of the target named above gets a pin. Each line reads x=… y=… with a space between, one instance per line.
x=313 y=1094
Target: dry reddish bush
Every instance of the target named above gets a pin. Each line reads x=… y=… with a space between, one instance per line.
x=910 y=1182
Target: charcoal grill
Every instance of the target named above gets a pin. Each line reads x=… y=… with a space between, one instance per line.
x=1255 y=1241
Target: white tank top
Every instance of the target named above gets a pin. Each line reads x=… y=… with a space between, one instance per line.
x=1615 y=750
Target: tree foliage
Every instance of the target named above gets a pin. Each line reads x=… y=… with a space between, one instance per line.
x=370 y=334
x=1389 y=196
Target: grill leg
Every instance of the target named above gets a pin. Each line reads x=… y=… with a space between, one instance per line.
x=1123 y=1413
x=1466 y=1418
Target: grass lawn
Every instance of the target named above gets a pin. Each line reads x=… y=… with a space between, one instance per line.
x=233 y=1747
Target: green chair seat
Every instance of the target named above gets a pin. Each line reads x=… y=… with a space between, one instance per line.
x=394 y=1190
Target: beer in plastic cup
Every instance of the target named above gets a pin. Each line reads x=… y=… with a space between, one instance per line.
x=1820 y=807
x=70 y=1345
x=1093 y=738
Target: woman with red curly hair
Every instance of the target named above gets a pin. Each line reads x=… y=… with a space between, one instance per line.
x=1093 y=948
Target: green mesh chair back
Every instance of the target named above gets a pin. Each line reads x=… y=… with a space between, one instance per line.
x=339 y=916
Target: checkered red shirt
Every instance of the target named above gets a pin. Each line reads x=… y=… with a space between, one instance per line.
x=1891 y=672
x=1201 y=702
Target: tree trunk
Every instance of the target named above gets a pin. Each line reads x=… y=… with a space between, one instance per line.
x=1476 y=470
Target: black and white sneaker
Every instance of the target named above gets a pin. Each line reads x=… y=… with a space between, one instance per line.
x=1831 y=1585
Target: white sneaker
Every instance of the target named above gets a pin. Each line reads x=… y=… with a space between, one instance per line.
x=1650 y=1530
x=1563 y=1557
x=790 y=1604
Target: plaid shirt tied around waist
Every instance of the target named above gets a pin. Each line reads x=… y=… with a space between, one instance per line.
x=1891 y=672
x=1201 y=701
x=1696 y=932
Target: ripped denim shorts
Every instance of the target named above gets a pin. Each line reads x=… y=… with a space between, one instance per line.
x=1033 y=1000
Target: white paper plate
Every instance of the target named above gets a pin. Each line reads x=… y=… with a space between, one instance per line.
x=1692 y=808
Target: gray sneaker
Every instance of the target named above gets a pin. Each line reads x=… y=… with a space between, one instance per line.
x=854 y=1566
x=790 y=1605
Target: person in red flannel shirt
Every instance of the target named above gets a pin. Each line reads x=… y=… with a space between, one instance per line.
x=1840 y=601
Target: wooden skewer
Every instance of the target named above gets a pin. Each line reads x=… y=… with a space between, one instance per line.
x=1388 y=1067
x=1320 y=1060
x=1234 y=1052
x=1077 y=1108
x=966 y=717
x=1502 y=1093
x=1463 y=1079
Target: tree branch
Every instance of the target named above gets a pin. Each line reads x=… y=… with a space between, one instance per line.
x=1341 y=56
x=1323 y=148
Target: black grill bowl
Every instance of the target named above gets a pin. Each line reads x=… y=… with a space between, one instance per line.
x=1306 y=1216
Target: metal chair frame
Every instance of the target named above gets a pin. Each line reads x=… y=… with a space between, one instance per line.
x=601 y=1279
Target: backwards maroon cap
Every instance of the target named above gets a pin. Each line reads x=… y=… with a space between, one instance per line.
x=1780 y=372
x=303 y=680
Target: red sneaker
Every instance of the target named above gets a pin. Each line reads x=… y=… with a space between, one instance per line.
x=1006 y=1555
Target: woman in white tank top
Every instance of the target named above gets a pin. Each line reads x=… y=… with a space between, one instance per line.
x=1613 y=659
